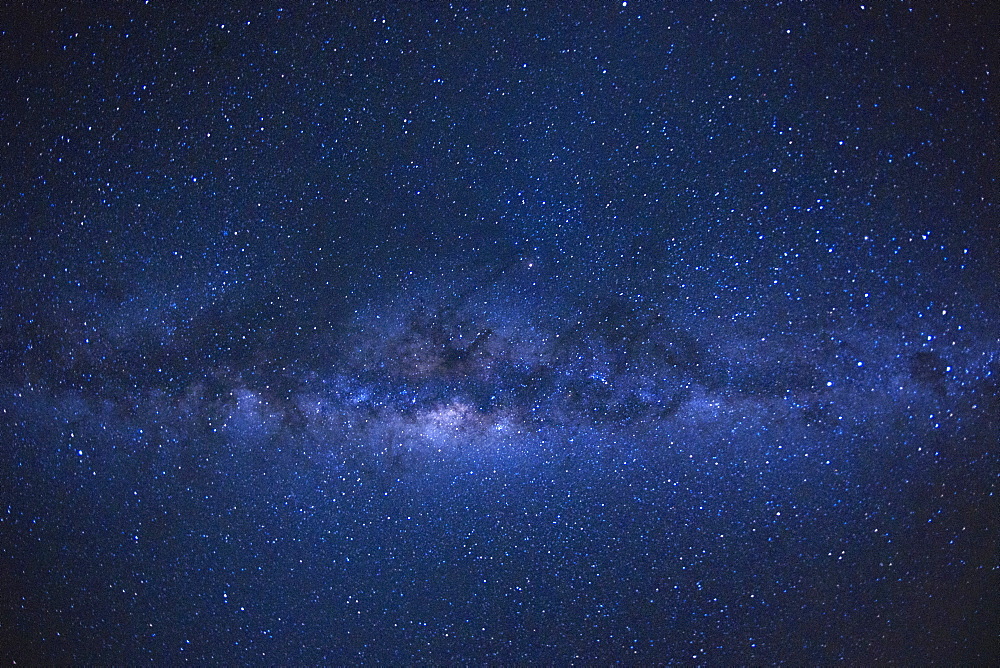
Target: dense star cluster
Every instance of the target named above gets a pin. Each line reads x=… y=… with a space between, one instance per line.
x=499 y=334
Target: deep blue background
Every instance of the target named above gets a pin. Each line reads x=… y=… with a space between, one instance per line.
x=434 y=333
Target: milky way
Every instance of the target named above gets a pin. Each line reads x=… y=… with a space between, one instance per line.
x=500 y=335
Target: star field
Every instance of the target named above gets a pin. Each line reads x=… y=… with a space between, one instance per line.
x=444 y=333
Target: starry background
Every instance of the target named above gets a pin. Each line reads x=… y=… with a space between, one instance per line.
x=488 y=333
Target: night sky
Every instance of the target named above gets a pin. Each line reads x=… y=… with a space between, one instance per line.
x=481 y=333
